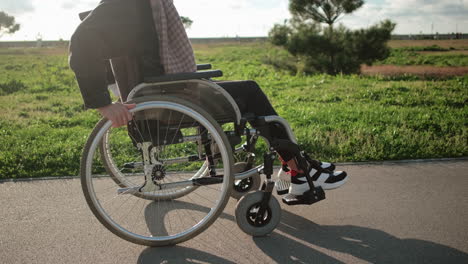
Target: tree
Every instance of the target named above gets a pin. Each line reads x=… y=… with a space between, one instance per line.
x=323 y=11
x=186 y=21
x=330 y=50
x=279 y=34
x=7 y=24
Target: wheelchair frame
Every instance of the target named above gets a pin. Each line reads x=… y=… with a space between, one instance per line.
x=156 y=86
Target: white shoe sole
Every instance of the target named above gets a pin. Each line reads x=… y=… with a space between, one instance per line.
x=335 y=185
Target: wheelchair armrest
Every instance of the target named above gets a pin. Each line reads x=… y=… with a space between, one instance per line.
x=184 y=76
x=201 y=67
x=83 y=15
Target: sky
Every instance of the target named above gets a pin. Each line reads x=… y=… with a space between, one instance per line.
x=54 y=20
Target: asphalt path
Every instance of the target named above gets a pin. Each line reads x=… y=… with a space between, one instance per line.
x=386 y=213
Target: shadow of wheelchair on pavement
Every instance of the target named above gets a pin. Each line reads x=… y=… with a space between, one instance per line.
x=366 y=244
x=178 y=254
x=174 y=254
x=302 y=241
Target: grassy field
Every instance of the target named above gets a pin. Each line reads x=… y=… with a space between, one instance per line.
x=338 y=118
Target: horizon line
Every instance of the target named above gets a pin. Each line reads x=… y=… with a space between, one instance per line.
x=247 y=37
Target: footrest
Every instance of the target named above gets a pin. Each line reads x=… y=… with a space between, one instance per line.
x=309 y=197
x=282 y=186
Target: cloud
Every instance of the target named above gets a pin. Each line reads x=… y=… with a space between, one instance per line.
x=413 y=16
x=17 y=7
x=76 y=4
x=410 y=8
x=231 y=18
x=69 y=4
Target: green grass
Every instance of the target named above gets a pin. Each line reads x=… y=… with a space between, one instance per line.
x=43 y=125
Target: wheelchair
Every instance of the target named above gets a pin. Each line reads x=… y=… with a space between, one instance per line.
x=167 y=176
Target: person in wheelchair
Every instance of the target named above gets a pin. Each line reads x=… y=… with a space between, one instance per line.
x=152 y=32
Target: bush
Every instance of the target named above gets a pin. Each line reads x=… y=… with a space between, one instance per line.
x=333 y=50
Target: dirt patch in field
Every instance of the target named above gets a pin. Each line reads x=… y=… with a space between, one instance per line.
x=422 y=71
x=451 y=52
x=35 y=51
x=459 y=44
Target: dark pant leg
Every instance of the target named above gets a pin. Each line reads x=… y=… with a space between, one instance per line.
x=114 y=29
x=251 y=99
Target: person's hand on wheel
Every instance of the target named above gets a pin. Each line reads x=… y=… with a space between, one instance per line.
x=117 y=113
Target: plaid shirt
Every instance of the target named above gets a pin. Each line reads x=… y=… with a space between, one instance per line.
x=175 y=49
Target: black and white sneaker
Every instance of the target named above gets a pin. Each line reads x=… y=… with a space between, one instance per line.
x=326 y=180
x=327 y=166
x=283 y=178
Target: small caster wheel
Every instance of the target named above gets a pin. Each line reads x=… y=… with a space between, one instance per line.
x=242 y=187
x=250 y=221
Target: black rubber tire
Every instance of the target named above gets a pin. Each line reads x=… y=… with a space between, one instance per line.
x=243 y=208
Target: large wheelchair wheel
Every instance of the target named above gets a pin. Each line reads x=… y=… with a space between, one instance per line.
x=135 y=205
